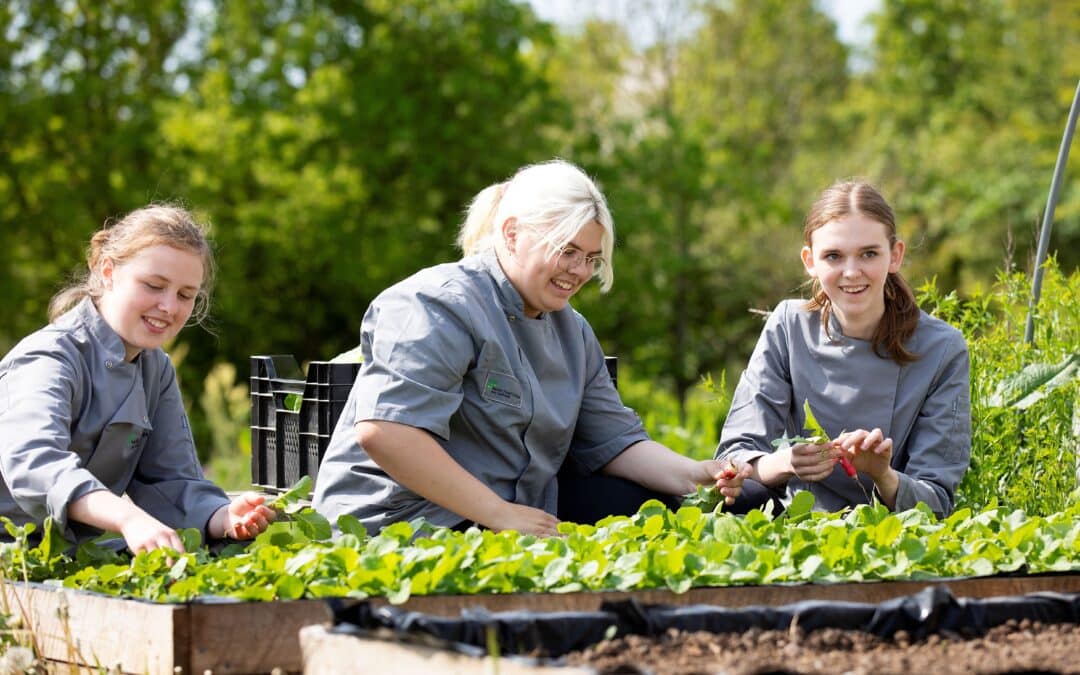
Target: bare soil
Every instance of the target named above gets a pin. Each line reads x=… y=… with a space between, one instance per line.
x=1014 y=647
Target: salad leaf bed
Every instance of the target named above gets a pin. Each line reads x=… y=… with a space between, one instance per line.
x=655 y=548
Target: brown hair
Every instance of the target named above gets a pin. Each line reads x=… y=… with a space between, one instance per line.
x=121 y=240
x=901 y=311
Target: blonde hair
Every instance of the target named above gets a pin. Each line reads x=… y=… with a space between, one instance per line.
x=554 y=199
x=121 y=240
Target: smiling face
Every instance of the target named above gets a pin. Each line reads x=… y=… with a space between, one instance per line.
x=544 y=286
x=851 y=257
x=148 y=298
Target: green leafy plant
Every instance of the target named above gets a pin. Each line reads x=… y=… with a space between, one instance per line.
x=1025 y=409
x=655 y=548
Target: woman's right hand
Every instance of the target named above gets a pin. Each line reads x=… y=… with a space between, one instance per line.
x=140 y=530
x=143 y=532
x=524 y=519
x=811 y=462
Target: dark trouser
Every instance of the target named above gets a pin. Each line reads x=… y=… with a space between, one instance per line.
x=587 y=499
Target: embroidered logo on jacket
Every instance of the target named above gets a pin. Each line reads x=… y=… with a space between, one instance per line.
x=503 y=389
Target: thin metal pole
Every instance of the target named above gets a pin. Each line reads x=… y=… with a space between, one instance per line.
x=1048 y=215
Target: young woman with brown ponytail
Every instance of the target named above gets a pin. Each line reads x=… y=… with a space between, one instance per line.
x=886 y=381
x=93 y=431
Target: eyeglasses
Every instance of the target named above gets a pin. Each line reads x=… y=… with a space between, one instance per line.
x=570 y=258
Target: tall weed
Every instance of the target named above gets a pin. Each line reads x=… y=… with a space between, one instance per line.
x=1021 y=457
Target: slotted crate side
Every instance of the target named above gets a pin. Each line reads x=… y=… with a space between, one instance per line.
x=270 y=460
x=288 y=444
x=288 y=434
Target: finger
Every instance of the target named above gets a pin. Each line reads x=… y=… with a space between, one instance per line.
x=871 y=439
x=851 y=440
x=176 y=544
x=884 y=447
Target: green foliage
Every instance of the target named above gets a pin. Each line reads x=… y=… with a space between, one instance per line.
x=692 y=430
x=1024 y=398
x=226 y=412
x=655 y=548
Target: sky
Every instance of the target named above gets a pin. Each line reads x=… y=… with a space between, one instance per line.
x=848 y=14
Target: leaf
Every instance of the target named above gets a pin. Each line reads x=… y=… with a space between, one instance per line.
x=313 y=524
x=653 y=525
x=811 y=423
x=298 y=492
x=795 y=440
x=705 y=497
x=1033 y=382
x=801 y=504
x=400 y=594
x=289 y=587
x=191 y=538
x=350 y=524
x=555 y=571
x=809 y=568
x=178 y=569
x=293 y=402
x=52 y=541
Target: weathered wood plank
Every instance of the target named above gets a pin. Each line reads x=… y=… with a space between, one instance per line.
x=97 y=630
x=144 y=637
x=739 y=596
x=251 y=637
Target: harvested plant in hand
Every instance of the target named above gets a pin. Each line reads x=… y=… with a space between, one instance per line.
x=819 y=437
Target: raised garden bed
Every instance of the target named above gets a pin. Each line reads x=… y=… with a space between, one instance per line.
x=255 y=637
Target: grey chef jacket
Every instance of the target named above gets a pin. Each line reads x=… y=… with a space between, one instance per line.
x=924 y=406
x=75 y=417
x=450 y=350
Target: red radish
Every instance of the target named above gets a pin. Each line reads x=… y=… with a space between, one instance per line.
x=848 y=467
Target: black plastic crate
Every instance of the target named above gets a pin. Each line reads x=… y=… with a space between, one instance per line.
x=612 y=363
x=287 y=444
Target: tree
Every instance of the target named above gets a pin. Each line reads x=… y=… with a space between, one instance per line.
x=78 y=86
x=961 y=117
x=699 y=168
x=337 y=147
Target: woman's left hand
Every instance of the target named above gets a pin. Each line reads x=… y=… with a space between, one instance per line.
x=244 y=518
x=869 y=451
x=727 y=477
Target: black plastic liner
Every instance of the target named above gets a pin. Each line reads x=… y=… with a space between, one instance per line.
x=552 y=634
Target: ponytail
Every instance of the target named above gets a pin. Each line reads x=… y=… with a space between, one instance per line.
x=553 y=199
x=899 y=322
x=477 y=233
